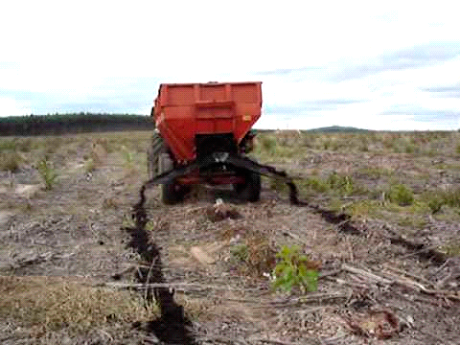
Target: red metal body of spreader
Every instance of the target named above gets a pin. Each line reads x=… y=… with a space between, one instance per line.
x=183 y=113
x=203 y=132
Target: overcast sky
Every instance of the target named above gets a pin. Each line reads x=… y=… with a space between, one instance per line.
x=395 y=65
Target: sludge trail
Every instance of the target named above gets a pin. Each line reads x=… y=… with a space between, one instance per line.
x=172 y=327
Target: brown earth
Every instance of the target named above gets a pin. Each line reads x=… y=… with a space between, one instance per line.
x=65 y=264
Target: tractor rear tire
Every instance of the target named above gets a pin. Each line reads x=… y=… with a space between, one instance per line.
x=250 y=189
x=153 y=155
x=171 y=193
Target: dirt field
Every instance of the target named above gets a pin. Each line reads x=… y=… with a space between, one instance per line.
x=382 y=229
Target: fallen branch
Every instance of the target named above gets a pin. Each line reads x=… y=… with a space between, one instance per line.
x=176 y=286
x=310 y=299
x=408 y=274
x=365 y=274
x=393 y=278
x=326 y=274
x=294 y=236
x=411 y=284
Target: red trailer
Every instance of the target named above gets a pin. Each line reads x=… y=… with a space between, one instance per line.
x=202 y=135
x=183 y=112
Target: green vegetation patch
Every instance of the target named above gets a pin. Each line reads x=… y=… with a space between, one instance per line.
x=294 y=271
x=334 y=184
x=400 y=194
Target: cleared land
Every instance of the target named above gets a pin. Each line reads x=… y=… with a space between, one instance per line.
x=390 y=264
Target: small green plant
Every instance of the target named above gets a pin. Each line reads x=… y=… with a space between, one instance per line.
x=344 y=184
x=435 y=204
x=90 y=165
x=401 y=194
x=47 y=172
x=294 y=271
x=129 y=157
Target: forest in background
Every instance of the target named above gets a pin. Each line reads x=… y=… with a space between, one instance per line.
x=72 y=123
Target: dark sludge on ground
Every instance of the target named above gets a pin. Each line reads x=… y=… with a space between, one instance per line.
x=344 y=224
x=172 y=327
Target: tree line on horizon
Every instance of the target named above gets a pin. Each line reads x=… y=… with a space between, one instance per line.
x=53 y=124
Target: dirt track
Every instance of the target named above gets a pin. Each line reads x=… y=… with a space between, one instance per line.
x=75 y=230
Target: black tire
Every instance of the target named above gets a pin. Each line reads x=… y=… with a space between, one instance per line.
x=250 y=189
x=171 y=193
x=156 y=148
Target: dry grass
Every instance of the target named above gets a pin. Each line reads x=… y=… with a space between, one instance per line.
x=294 y=144
x=10 y=161
x=351 y=173
x=51 y=303
x=256 y=254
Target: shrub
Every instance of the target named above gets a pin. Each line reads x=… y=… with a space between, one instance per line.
x=294 y=271
x=401 y=194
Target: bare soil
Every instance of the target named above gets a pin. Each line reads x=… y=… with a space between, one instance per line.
x=380 y=282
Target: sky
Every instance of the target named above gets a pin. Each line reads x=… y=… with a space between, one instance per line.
x=387 y=65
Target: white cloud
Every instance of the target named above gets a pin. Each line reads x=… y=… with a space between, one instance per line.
x=9 y=107
x=76 y=52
